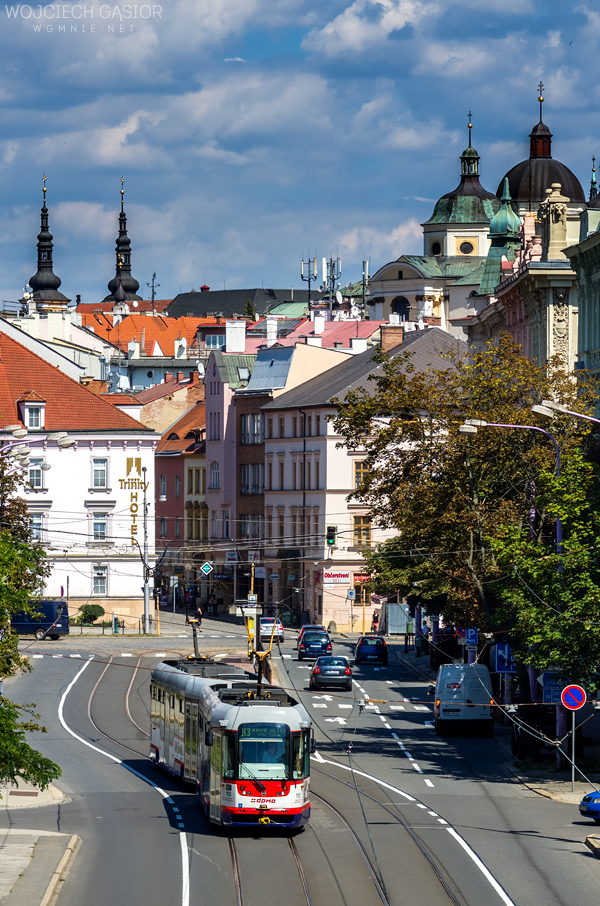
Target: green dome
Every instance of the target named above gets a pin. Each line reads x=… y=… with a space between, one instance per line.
x=469 y=152
x=505 y=222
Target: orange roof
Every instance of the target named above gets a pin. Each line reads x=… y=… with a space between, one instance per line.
x=175 y=439
x=144 y=305
x=69 y=405
x=156 y=336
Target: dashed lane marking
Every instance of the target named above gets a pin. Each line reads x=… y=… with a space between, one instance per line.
x=397 y=708
x=416 y=767
x=421 y=707
x=37 y=655
x=428 y=782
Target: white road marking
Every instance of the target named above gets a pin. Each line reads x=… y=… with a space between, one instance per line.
x=397 y=708
x=416 y=767
x=160 y=654
x=318 y=705
x=185 y=894
x=318 y=757
x=74 y=655
x=382 y=717
x=372 y=707
x=326 y=698
x=395 y=735
x=387 y=726
x=433 y=814
x=336 y=720
x=126 y=654
x=390 y=682
x=421 y=708
x=420 y=805
x=287 y=656
x=184 y=636
x=344 y=706
x=441 y=820
x=37 y=655
x=429 y=724
x=428 y=782
x=485 y=871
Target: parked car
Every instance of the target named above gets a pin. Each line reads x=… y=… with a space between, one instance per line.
x=331 y=672
x=50 y=620
x=371 y=648
x=303 y=629
x=314 y=644
x=589 y=806
x=266 y=629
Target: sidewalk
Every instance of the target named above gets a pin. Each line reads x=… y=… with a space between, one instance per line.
x=32 y=863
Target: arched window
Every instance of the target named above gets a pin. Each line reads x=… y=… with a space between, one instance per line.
x=401 y=306
x=215 y=476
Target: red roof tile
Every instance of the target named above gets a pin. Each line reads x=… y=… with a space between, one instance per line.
x=192 y=420
x=69 y=405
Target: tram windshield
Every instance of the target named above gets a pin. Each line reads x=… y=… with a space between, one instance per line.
x=270 y=752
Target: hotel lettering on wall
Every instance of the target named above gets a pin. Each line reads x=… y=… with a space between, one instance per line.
x=134 y=484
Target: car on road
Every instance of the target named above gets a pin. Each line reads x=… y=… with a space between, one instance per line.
x=314 y=644
x=589 y=806
x=266 y=629
x=331 y=673
x=316 y=628
x=49 y=620
x=371 y=648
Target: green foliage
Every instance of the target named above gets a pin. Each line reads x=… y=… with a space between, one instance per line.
x=88 y=613
x=17 y=759
x=249 y=310
x=462 y=508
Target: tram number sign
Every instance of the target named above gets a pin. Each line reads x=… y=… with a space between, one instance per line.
x=573 y=697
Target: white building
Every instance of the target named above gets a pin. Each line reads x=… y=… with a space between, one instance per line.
x=87 y=508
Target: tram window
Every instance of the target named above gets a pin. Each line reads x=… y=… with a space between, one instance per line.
x=181 y=706
x=301 y=754
x=264 y=751
x=228 y=769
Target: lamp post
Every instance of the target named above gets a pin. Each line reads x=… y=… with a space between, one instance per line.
x=472 y=424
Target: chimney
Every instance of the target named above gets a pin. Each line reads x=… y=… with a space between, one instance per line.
x=337 y=344
x=133 y=349
x=314 y=341
x=235 y=336
x=143 y=343
x=271 y=331
x=319 y=324
x=391 y=335
x=180 y=377
x=169 y=376
x=358 y=344
x=394 y=318
x=204 y=289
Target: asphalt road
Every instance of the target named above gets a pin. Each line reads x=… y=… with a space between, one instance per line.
x=447 y=801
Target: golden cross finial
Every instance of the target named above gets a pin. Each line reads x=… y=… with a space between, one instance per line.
x=593 y=164
x=122 y=191
x=44 y=189
x=470 y=126
x=541 y=97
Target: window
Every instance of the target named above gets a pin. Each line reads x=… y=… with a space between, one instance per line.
x=257 y=478
x=35 y=473
x=225 y=518
x=34 y=416
x=308 y=477
x=308 y=425
x=163 y=527
x=317 y=475
x=316 y=527
x=203 y=480
x=99 y=524
x=163 y=487
x=281 y=475
x=294 y=426
x=317 y=425
x=436 y=248
x=282 y=427
x=35 y=526
x=100 y=580
x=293 y=528
x=257 y=429
x=245 y=429
x=270 y=426
x=270 y=476
x=281 y=527
x=197 y=525
x=270 y=526
x=198 y=481
x=190 y=485
x=177 y=486
x=360 y=471
x=245 y=479
x=214 y=341
x=178 y=526
x=245 y=526
x=362 y=531
x=294 y=476
x=215 y=524
x=215 y=476
x=190 y=525
x=100 y=471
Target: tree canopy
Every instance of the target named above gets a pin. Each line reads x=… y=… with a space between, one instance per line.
x=474 y=516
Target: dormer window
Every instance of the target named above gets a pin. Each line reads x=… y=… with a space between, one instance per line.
x=33 y=416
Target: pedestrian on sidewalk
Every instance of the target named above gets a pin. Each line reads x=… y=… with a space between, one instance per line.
x=375 y=622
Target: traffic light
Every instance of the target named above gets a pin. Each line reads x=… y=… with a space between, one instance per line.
x=331 y=535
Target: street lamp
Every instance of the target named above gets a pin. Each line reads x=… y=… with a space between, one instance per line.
x=549 y=409
x=471 y=426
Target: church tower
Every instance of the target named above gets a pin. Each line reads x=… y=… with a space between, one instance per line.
x=45 y=296
x=460 y=222
x=123 y=264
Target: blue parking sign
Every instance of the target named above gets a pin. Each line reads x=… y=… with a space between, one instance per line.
x=505 y=662
x=471 y=636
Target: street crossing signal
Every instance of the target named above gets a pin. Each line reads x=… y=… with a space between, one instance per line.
x=331 y=535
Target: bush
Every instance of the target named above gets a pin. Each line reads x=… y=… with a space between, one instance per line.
x=90 y=612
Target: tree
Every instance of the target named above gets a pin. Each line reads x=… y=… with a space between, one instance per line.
x=23 y=566
x=468 y=510
x=249 y=310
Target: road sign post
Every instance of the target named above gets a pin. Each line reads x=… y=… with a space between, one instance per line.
x=573 y=698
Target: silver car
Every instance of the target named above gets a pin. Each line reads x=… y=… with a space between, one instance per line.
x=266 y=629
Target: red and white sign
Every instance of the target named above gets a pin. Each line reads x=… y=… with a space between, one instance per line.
x=336 y=576
x=362 y=577
x=231 y=557
x=573 y=697
x=253 y=556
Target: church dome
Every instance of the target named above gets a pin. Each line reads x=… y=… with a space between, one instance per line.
x=505 y=222
x=469 y=202
x=529 y=179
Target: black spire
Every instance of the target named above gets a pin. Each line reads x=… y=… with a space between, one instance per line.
x=123 y=252
x=45 y=282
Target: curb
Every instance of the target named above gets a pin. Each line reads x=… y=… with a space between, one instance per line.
x=72 y=847
x=593 y=843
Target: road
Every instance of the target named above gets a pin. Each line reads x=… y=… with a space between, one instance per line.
x=439 y=819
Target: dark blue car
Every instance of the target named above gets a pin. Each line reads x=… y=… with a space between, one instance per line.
x=314 y=644
x=589 y=806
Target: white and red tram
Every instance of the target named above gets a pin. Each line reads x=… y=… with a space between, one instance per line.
x=247 y=752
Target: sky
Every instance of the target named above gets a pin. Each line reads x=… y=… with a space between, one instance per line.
x=253 y=133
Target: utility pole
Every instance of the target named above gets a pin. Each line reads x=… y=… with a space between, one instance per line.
x=310 y=275
x=332 y=271
x=365 y=287
x=146 y=570
x=153 y=286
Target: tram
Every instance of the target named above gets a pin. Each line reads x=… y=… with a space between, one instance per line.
x=245 y=747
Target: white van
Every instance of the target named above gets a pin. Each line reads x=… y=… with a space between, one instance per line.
x=463 y=699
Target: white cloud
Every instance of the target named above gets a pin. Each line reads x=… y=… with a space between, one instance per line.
x=365 y=23
x=381 y=244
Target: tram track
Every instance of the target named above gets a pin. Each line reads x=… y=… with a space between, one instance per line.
x=239 y=899
x=112 y=739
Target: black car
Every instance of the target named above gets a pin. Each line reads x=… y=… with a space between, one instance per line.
x=331 y=672
x=313 y=644
x=371 y=648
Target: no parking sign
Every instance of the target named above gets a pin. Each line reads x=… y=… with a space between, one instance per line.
x=573 y=697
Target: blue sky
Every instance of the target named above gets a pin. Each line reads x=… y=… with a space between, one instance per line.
x=251 y=131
